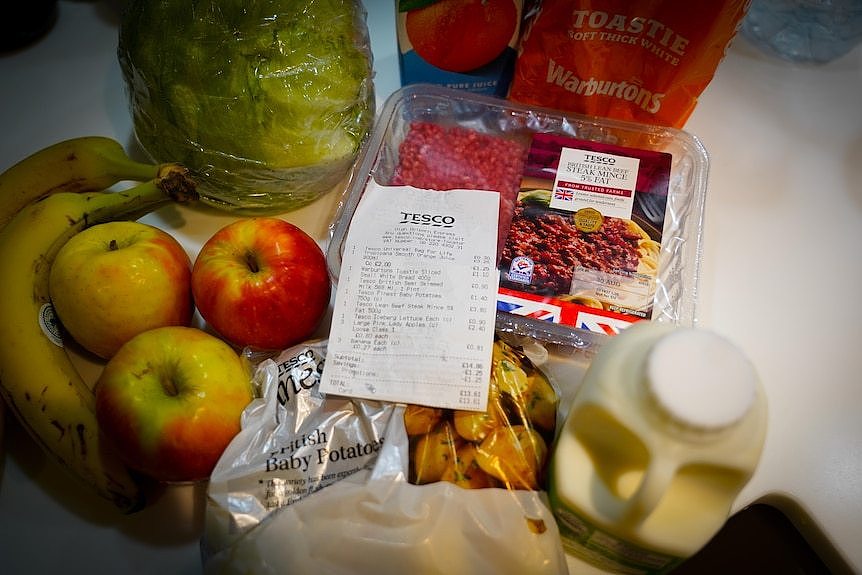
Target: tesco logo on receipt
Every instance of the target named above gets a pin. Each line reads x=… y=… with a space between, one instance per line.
x=427 y=220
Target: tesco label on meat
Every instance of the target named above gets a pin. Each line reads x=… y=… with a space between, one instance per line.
x=587 y=179
x=585 y=236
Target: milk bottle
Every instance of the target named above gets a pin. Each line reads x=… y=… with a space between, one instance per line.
x=665 y=431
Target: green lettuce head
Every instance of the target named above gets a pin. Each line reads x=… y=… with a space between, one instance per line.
x=267 y=102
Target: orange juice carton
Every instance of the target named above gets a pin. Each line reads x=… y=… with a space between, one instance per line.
x=462 y=44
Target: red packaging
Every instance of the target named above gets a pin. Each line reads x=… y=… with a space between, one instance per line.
x=644 y=60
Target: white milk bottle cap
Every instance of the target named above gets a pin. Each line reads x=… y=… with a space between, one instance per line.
x=700 y=379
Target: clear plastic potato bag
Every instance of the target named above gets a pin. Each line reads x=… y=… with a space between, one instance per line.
x=457 y=505
x=506 y=445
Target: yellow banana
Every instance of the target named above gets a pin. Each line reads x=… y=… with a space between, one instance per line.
x=86 y=164
x=37 y=378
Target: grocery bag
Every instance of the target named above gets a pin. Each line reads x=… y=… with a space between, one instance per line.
x=335 y=485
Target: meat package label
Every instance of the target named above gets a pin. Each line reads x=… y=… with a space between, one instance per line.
x=584 y=243
x=589 y=179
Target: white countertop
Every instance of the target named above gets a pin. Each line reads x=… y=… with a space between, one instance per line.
x=781 y=273
x=781 y=268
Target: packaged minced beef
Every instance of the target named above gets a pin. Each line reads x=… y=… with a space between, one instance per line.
x=599 y=221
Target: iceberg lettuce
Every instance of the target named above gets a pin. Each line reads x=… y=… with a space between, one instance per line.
x=267 y=102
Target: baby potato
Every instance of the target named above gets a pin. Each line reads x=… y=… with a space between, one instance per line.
x=510 y=377
x=515 y=455
x=540 y=403
x=476 y=425
x=526 y=394
x=434 y=452
x=464 y=470
x=515 y=354
x=419 y=419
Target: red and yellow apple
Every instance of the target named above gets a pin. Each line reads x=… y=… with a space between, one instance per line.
x=115 y=280
x=170 y=401
x=261 y=283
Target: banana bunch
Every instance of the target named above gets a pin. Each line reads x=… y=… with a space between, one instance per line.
x=86 y=164
x=44 y=200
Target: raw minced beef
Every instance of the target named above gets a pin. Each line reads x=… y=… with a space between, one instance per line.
x=447 y=158
x=557 y=247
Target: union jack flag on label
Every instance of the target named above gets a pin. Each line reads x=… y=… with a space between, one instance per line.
x=602 y=323
x=543 y=308
x=563 y=195
x=539 y=310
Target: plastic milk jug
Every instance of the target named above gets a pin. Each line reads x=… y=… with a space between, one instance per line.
x=666 y=429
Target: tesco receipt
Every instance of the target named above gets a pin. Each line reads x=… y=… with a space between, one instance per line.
x=415 y=305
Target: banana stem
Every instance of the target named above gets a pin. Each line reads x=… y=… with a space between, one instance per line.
x=176 y=185
x=126 y=169
x=175 y=180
